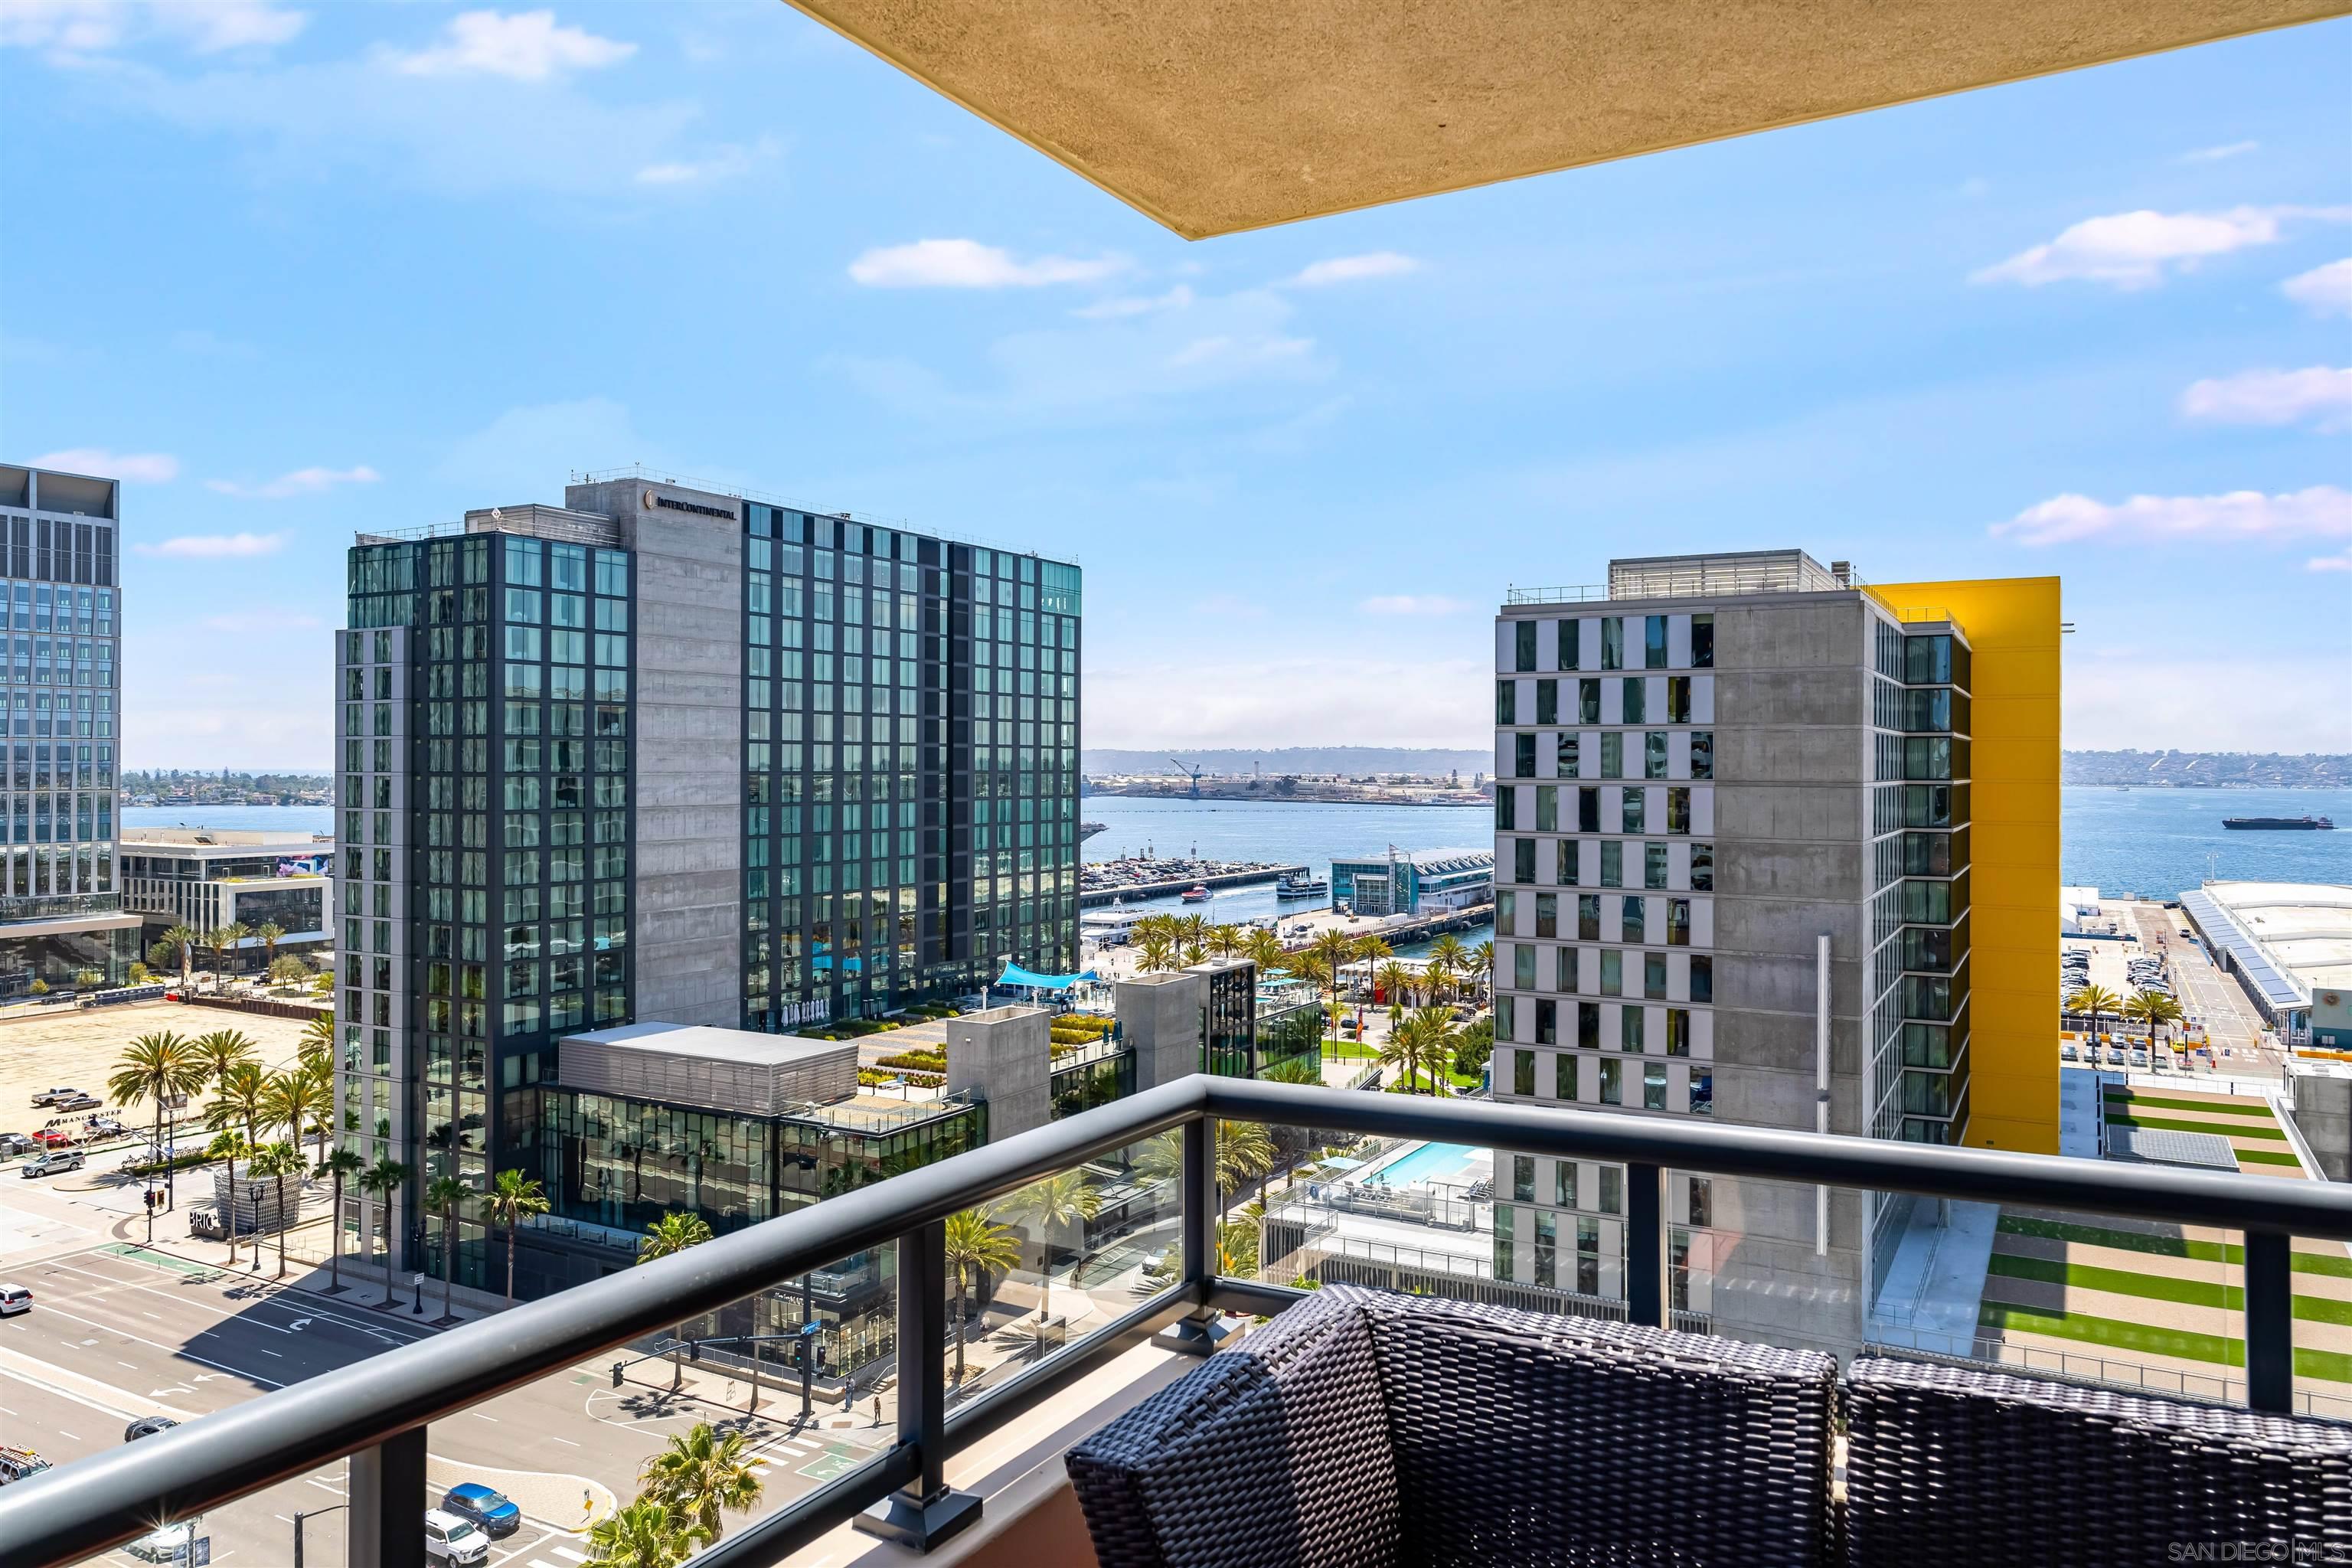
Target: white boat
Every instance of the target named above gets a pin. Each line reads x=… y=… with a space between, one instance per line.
x=1302 y=886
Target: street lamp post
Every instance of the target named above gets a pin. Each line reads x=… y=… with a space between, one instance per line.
x=302 y=1514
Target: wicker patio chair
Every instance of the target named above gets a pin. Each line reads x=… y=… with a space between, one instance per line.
x=1362 y=1429
x=1949 y=1465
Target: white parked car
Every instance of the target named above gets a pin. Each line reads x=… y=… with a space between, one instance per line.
x=449 y=1538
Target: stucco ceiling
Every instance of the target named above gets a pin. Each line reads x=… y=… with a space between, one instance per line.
x=1212 y=116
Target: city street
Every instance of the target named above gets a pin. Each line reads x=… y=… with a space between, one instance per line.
x=119 y=1330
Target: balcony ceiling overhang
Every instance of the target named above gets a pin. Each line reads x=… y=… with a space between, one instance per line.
x=1213 y=116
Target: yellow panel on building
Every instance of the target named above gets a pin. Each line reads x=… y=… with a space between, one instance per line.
x=2011 y=625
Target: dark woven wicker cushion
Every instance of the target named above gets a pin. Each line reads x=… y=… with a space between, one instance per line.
x=1517 y=1438
x=1272 y=1455
x=1953 y=1466
x=1528 y=1438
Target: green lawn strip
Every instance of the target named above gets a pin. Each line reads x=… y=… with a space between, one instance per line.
x=2156 y=1286
x=2174 y=1124
x=2162 y=1102
x=2336 y=1265
x=2267 y=1157
x=2333 y=1366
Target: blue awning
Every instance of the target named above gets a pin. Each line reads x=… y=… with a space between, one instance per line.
x=1015 y=976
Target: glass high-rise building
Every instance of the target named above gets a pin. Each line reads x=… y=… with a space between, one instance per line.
x=61 y=919
x=671 y=754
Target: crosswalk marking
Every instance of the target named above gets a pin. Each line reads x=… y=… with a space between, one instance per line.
x=567 y=1551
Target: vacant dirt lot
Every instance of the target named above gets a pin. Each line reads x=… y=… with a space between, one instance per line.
x=79 y=1047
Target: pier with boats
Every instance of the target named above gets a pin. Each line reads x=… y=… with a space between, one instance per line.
x=1109 y=882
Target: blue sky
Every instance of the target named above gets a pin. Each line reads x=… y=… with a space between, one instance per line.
x=294 y=272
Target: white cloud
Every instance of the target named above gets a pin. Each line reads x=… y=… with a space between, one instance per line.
x=2215 y=154
x=214 y=546
x=723 y=163
x=1353 y=269
x=1237 y=352
x=2132 y=250
x=967 y=264
x=81 y=28
x=139 y=467
x=2322 y=511
x=525 y=46
x=1411 y=605
x=2324 y=290
x=2319 y=393
x=2340 y=561
x=1311 y=700
x=300 y=483
x=1176 y=298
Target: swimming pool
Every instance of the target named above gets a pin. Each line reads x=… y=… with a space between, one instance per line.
x=1431 y=1162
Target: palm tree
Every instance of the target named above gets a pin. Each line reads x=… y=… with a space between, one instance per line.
x=1395 y=980
x=666 y=1237
x=699 y=1474
x=319 y=1038
x=1369 y=953
x=339 y=1166
x=512 y=1197
x=184 y=939
x=447 y=1195
x=1051 y=1202
x=1226 y=941
x=643 y=1535
x=1419 y=1045
x=977 y=1248
x=156 y=1069
x=1447 y=958
x=1290 y=1141
x=2095 y=1000
x=270 y=934
x=1263 y=948
x=1192 y=931
x=1243 y=1152
x=277 y=1161
x=1337 y=949
x=299 y=1101
x=1153 y=951
x=387 y=1177
x=2153 y=1008
x=224 y=939
x=240 y=1104
x=1482 y=963
x=224 y=1048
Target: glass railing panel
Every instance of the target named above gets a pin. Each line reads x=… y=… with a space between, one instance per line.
x=262 y=1527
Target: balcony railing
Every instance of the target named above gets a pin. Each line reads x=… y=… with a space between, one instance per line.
x=377 y=1412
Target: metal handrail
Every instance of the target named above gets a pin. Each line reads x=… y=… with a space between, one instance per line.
x=377 y=1411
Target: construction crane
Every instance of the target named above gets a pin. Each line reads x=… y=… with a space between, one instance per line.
x=1189 y=771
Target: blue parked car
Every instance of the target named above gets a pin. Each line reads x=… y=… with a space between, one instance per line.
x=486 y=1507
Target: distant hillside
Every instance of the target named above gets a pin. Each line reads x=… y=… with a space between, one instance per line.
x=1353 y=761
x=2208 y=770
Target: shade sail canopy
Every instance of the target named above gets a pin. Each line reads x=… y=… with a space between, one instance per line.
x=1015 y=976
x=1212 y=116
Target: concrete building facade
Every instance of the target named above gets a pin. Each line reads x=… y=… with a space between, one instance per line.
x=209 y=879
x=61 y=919
x=667 y=754
x=1733 y=858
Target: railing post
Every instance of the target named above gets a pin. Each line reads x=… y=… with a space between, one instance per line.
x=2270 y=1322
x=1202 y=1330
x=385 y=1528
x=924 y=1512
x=1645 y=1245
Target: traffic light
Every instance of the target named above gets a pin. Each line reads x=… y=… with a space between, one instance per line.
x=617 y=1367
x=820 y=1356
x=694 y=1350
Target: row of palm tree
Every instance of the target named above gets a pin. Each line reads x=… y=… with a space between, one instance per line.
x=2153 y=1008
x=182 y=941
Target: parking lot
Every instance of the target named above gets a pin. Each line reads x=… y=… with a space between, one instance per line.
x=80 y=1047
x=2218 y=1018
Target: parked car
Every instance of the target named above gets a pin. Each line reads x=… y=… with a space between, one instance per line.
x=79 y=1102
x=147 y=1426
x=2138 y=1057
x=55 y=1137
x=106 y=1127
x=486 y=1506
x=16 y=1144
x=51 y=1162
x=2065 y=1054
x=51 y=1096
x=15 y=1299
x=16 y=1463
x=449 y=1538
